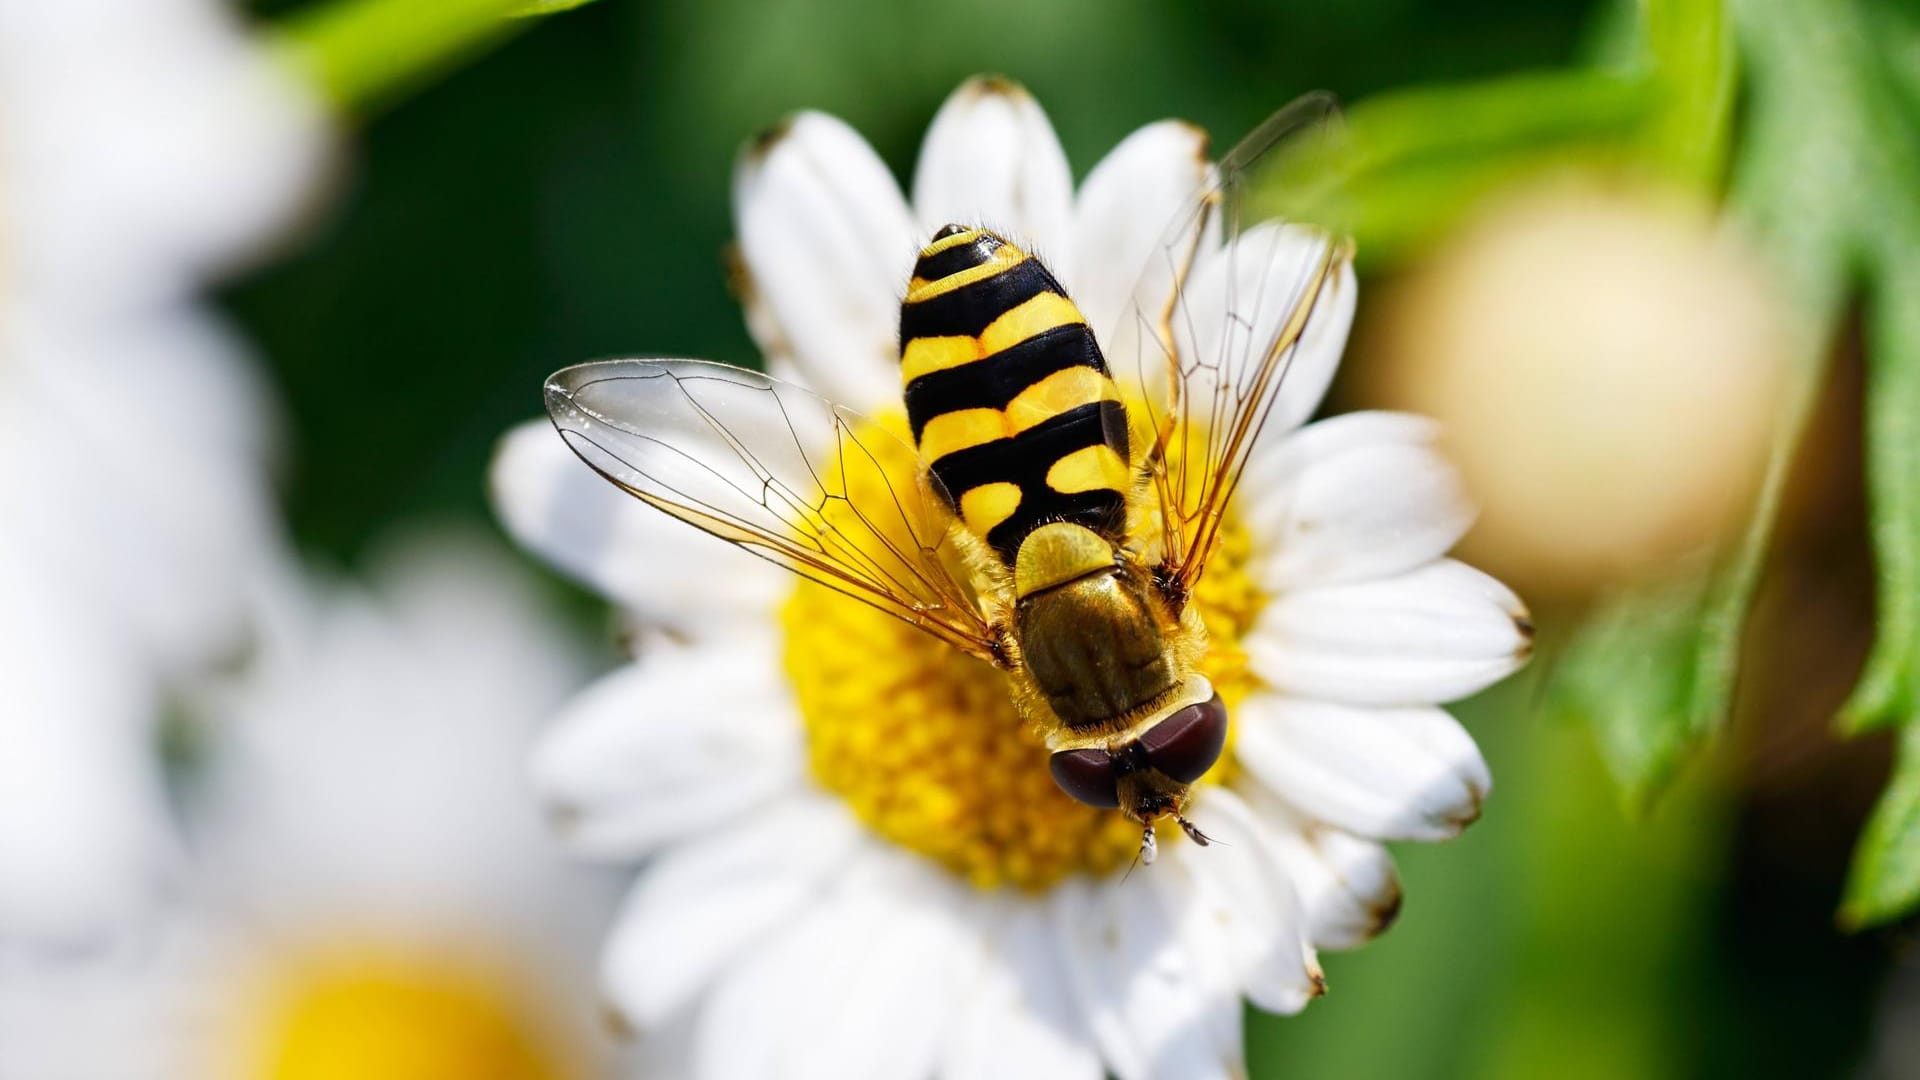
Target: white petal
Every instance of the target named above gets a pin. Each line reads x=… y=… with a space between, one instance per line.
x=148 y=144
x=912 y=950
x=1149 y=1007
x=661 y=568
x=85 y=831
x=164 y=412
x=1238 y=302
x=829 y=244
x=705 y=903
x=1438 y=633
x=679 y=741
x=139 y=1009
x=1122 y=212
x=1203 y=927
x=448 y=648
x=1348 y=887
x=1243 y=889
x=1020 y=1019
x=860 y=987
x=1358 y=496
x=991 y=158
x=758 y=1013
x=1387 y=773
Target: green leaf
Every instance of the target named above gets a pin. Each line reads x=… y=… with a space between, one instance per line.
x=365 y=54
x=1846 y=158
x=1889 y=689
x=1406 y=165
x=1896 y=26
x=1887 y=115
x=1689 y=47
x=1631 y=675
x=1884 y=883
x=1831 y=74
x=1837 y=176
x=535 y=8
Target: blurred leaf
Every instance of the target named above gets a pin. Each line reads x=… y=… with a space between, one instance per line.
x=1409 y=163
x=1888 y=224
x=1830 y=72
x=1885 y=881
x=1889 y=689
x=1634 y=674
x=1896 y=27
x=1406 y=165
x=1690 y=49
x=1613 y=38
x=1833 y=179
x=365 y=54
x=534 y=8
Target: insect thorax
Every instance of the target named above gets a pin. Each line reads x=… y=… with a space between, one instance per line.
x=1095 y=650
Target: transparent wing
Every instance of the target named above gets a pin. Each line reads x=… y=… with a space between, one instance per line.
x=1206 y=350
x=779 y=471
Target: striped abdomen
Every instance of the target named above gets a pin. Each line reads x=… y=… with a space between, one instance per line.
x=1008 y=396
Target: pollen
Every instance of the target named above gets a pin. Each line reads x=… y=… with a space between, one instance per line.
x=924 y=745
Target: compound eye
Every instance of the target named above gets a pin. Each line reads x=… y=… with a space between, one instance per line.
x=1087 y=775
x=1185 y=745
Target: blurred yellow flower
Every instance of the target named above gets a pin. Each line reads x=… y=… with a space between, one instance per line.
x=372 y=1013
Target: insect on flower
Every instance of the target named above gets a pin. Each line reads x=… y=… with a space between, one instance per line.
x=1037 y=504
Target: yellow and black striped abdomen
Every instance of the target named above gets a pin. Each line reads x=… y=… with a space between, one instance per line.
x=1008 y=395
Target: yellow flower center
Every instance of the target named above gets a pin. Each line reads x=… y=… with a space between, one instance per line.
x=374 y=1014
x=924 y=744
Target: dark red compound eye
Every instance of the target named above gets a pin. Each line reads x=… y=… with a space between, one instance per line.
x=1185 y=745
x=1087 y=775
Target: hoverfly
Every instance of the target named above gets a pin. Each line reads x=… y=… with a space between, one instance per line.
x=1057 y=504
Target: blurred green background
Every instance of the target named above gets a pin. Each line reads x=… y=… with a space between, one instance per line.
x=566 y=196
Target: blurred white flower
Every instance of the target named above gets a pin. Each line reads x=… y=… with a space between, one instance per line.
x=375 y=727
x=138 y=1015
x=379 y=896
x=857 y=865
x=145 y=145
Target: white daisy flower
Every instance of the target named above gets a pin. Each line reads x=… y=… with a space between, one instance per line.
x=379 y=895
x=145 y=146
x=856 y=863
